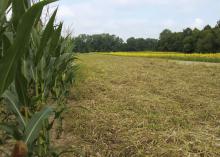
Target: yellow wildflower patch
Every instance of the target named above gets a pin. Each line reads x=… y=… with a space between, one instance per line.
x=203 y=57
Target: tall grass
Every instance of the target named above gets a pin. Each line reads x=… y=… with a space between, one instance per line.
x=37 y=69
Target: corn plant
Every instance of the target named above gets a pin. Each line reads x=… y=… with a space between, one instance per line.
x=37 y=69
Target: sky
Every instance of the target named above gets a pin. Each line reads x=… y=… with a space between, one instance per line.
x=136 y=18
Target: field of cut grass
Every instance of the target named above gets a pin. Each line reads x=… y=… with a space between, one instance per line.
x=138 y=107
x=211 y=57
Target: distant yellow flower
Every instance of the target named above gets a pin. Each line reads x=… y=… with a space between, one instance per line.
x=209 y=57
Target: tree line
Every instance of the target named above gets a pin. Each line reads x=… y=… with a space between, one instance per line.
x=188 y=41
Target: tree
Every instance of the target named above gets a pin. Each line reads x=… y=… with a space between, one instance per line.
x=187 y=31
x=131 y=44
x=207 y=27
x=165 y=42
x=80 y=43
x=206 y=42
x=151 y=44
x=189 y=41
x=97 y=43
x=218 y=24
x=188 y=44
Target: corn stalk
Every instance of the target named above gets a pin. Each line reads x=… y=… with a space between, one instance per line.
x=37 y=68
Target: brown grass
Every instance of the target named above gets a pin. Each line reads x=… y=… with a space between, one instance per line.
x=144 y=107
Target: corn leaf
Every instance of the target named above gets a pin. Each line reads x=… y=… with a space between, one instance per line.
x=21 y=86
x=35 y=37
x=7 y=40
x=45 y=37
x=9 y=62
x=11 y=130
x=55 y=40
x=18 y=9
x=3 y=7
x=35 y=125
x=14 y=106
x=27 y=3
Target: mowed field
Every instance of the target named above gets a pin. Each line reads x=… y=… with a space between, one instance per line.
x=137 y=106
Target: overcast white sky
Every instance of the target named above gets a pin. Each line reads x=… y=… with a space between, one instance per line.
x=138 y=18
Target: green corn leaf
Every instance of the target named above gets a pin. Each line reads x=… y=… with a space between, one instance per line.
x=9 y=62
x=59 y=67
x=35 y=37
x=63 y=60
x=68 y=45
x=3 y=7
x=18 y=9
x=7 y=40
x=49 y=79
x=9 y=37
x=4 y=4
x=55 y=40
x=27 y=3
x=11 y=130
x=21 y=86
x=46 y=36
x=35 y=124
x=56 y=67
x=14 y=106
